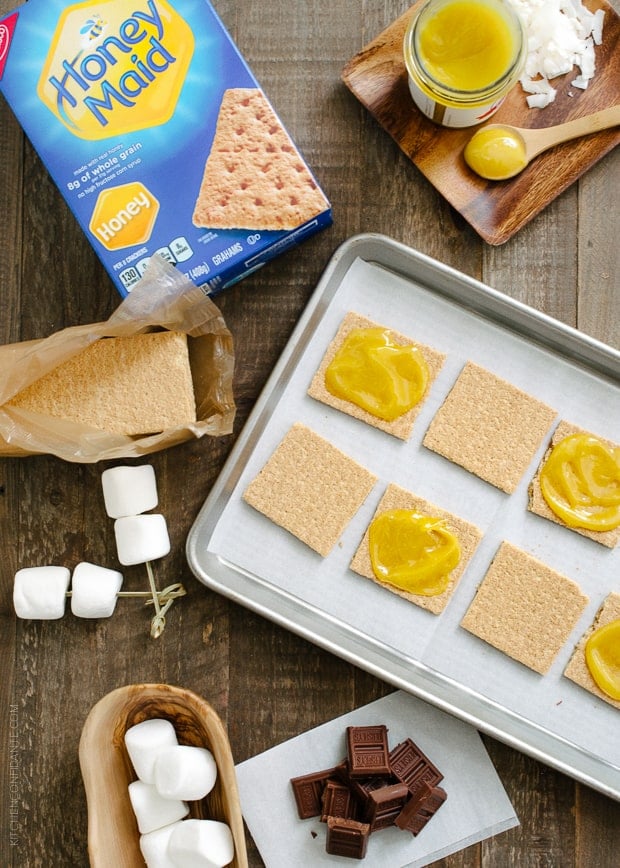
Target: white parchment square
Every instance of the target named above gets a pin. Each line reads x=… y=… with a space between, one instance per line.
x=477 y=806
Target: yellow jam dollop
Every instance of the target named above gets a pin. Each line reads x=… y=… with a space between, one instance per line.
x=467 y=45
x=495 y=153
x=372 y=371
x=603 y=658
x=413 y=552
x=580 y=481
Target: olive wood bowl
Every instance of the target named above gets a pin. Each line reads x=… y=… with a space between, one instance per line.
x=113 y=837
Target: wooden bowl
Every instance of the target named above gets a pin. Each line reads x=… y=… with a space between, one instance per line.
x=113 y=837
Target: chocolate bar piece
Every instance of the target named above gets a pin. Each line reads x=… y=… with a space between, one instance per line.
x=337 y=801
x=420 y=809
x=308 y=792
x=384 y=805
x=367 y=751
x=347 y=838
x=413 y=768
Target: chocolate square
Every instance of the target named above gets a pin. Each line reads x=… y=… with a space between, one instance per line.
x=412 y=767
x=347 y=838
x=367 y=751
x=420 y=809
x=308 y=792
x=384 y=805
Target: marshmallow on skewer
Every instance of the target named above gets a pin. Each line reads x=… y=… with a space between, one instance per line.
x=154 y=847
x=144 y=741
x=141 y=538
x=41 y=592
x=184 y=772
x=201 y=844
x=129 y=490
x=94 y=591
x=152 y=810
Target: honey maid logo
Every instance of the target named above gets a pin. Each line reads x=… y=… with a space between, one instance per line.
x=110 y=72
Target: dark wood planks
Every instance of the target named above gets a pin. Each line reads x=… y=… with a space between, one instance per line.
x=267 y=684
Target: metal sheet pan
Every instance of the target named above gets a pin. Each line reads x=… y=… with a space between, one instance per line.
x=569 y=729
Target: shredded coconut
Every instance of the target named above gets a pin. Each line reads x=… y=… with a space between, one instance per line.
x=561 y=34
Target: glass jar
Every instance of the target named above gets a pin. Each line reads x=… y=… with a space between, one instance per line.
x=462 y=58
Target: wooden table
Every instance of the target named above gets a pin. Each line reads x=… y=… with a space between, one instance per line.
x=266 y=683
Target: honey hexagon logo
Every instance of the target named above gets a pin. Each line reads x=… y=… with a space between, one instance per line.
x=109 y=71
x=124 y=216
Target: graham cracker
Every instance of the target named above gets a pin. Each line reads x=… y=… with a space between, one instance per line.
x=538 y=504
x=489 y=427
x=139 y=384
x=524 y=608
x=310 y=488
x=577 y=669
x=468 y=535
x=403 y=425
x=254 y=177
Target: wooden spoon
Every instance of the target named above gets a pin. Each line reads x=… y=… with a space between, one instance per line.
x=113 y=837
x=500 y=151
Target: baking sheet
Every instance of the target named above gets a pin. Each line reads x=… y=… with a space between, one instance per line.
x=238 y=552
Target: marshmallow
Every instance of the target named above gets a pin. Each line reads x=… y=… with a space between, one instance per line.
x=152 y=810
x=184 y=772
x=154 y=847
x=41 y=592
x=94 y=591
x=144 y=741
x=141 y=538
x=201 y=844
x=129 y=490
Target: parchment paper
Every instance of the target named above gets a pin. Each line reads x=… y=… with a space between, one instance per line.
x=477 y=806
x=251 y=541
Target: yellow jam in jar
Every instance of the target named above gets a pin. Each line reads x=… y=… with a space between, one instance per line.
x=495 y=153
x=466 y=45
x=580 y=482
x=414 y=553
x=603 y=658
x=372 y=371
x=462 y=58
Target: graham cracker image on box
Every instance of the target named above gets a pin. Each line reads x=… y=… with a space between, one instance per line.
x=467 y=534
x=577 y=669
x=400 y=427
x=254 y=177
x=310 y=488
x=524 y=608
x=539 y=506
x=139 y=384
x=489 y=427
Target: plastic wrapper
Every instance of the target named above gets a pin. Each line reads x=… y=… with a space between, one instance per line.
x=164 y=298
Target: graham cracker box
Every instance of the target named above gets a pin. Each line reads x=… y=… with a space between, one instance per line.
x=158 y=135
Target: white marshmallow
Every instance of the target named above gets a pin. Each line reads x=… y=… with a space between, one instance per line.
x=129 y=490
x=152 y=810
x=41 y=592
x=94 y=591
x=144 y=741
x=184 y=772
x=201 y=844
x=154 y=847
x=141 y=538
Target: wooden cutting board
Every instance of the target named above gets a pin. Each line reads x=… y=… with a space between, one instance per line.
x=496 y=209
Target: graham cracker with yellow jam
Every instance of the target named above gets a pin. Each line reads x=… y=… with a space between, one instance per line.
x=489 y=427
x=310 y=488
x=539 y=506
x=524 y=608
x=468 y=536
x=577 y=668
x=400 y=427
